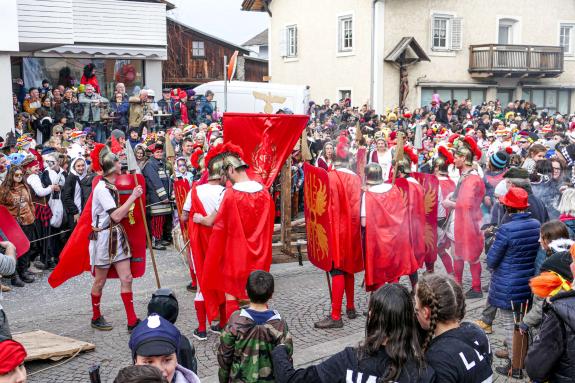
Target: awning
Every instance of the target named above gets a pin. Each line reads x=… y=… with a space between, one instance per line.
x=413 y=52
x=108 y=51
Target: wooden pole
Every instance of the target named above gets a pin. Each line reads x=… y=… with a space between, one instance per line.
x=148 y=239
x=286 y=207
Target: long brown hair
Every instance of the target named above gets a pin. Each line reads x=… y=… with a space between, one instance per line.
x=445 y=299
x=8 y=184
x=553 y=230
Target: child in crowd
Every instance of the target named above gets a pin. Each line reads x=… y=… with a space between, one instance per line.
x=457 y=351
x=246 y=343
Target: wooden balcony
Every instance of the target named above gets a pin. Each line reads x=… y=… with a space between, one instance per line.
x=497 y=60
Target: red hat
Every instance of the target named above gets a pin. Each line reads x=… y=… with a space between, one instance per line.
x=516 y=198
x=12 y=354
x=453 y=137
x=182 y=94
x=442 y=151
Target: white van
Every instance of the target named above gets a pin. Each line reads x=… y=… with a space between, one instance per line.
x=257 y=97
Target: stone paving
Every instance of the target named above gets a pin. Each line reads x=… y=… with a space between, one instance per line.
x=301 y=296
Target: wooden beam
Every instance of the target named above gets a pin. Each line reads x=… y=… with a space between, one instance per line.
x=286 y=207
x=481 y=75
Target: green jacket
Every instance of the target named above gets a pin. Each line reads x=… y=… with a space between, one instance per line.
x=244 y=353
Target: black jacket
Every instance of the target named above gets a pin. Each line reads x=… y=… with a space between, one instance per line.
x=68 y=192
x=187 y=355
x=461 y=355
x=552 y=355
x=336 y=369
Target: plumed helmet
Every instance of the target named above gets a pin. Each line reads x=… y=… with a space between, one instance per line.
x=409 y=157
x=373 y=174
x=469 y=149
x=107 y=161
x=214 y=162
x=232 y=156
x=443 y=160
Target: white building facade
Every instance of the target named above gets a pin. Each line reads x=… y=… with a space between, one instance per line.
x=478 y=50
x=54 y=39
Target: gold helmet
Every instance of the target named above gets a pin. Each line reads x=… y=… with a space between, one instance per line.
x=232 y=157
x=467 y=147
x=373 y=174
x=108 y=161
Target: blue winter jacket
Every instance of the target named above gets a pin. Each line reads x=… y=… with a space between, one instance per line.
x=512 y=261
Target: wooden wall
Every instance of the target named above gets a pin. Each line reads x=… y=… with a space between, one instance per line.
x=183 y=69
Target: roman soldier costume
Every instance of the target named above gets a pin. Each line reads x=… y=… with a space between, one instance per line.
x=446 y=186
x=388 y=251
x=344 y=207
x=241 y=239
x=464 y=226
x=100 y=243
x=205 y=199
x=416 y=211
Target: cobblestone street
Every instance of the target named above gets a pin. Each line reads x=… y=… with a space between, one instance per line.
x=301 y=297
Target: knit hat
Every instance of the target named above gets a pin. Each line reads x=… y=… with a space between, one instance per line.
x=499 y=159
x=117 y=134
x=559 y=263
x=568 y=152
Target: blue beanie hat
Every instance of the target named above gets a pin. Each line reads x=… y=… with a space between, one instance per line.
x=499 y=159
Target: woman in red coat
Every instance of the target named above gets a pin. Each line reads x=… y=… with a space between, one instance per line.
x=89 y=77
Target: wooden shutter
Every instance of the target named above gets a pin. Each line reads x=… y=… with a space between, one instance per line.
x=283 y=42
x=457 y=33
x=295 y=40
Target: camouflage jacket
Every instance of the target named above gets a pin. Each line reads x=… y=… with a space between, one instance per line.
x=244 y=353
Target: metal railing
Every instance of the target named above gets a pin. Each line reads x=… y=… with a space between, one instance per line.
x=522 y=59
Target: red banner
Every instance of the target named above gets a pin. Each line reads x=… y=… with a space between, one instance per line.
x=10 y=231
x=181 y=189
x=430 y=185
x=75 y=258
x=317 y=220
x=266 y=139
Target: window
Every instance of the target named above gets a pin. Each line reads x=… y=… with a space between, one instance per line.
x=446 y=33
x=68 y=71
x=198 y=49
x=345 y=34
x=551 y=100
x=566 y=38
x=508 y=31
x=477 y=95
x=439 y=32
x=344 y=93
x=291 y=41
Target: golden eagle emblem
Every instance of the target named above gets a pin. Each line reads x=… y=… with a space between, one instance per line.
x=315 y=192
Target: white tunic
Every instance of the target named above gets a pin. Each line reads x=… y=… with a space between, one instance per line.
x=102 y=203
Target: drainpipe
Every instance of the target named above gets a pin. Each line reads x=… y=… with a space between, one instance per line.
x=372 y=72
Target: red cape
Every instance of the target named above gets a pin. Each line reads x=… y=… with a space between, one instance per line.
x=388 y=251
x=344 y=207
x=430 y=185
x=468 y=216
x=199 y=235
x=75 y=257
x=416 y=212
x=241 y=242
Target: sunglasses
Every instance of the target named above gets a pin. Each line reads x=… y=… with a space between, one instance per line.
x=16 y=175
